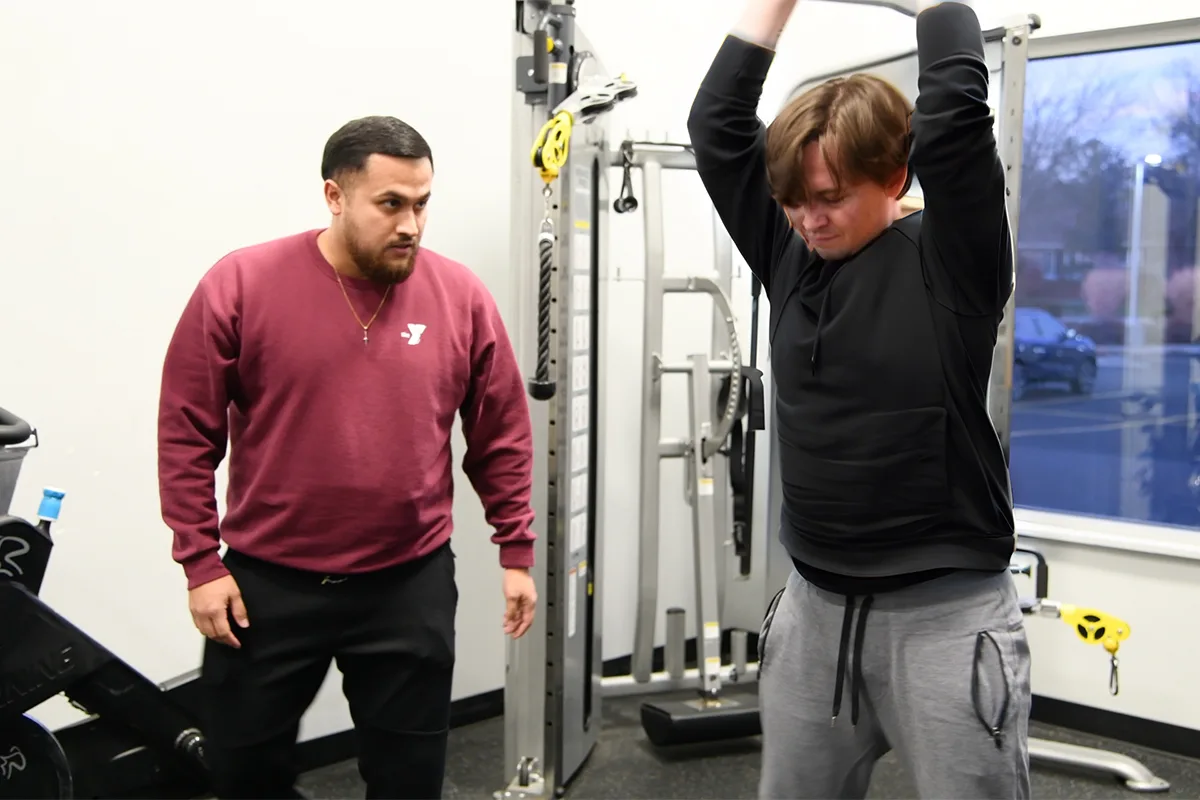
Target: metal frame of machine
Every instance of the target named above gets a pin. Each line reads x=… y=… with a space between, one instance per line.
x=554 y=685
x=554 y=679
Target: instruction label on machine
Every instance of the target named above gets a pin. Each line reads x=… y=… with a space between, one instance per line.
x=579 y=493
x=578 y=534
x=579 y=452
x=706 y=487
x=581 y=254
x=581 y=338
x=712 y=630
x=581 y=288
x=581 y=372
x=579 y=413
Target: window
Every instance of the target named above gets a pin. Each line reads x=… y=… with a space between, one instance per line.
x=1106 y=372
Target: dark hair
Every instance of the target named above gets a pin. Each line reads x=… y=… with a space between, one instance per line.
x=349 y=147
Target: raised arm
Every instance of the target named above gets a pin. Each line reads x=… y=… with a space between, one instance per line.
x=499 y=434
x=201 y=362
x=729 y=139
x=965 y=229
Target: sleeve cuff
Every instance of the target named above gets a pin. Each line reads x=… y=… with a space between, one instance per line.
x=204 y=569
x=516 y=555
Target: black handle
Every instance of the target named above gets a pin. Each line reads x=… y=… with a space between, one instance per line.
x=13 y=429
x=541 y=386
x=626 y=202
x=541 y=57
x=1041 y=581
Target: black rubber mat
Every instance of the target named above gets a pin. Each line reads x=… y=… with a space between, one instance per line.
x=625 y=767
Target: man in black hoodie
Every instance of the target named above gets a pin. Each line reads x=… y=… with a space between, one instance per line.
x=897 y=510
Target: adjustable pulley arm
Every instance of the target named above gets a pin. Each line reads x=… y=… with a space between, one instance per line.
x=1089 y=624
x=550 y=153
x=1093 y=627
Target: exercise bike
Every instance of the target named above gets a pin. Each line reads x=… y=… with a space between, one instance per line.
x=134 y=725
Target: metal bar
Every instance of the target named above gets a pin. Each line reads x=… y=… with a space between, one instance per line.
x=708 y=625
x=1011 y=126
x=647 y=570
x=714 y=368
x=863 y=67
x=1131 y=37
x=674 y=652
x=1137 y=776
x=723 y=550
x=179 y=680
x=695 y=284
x=1000 y=33
x=673 y=448
x=563 y=32
x=527 y=714
x=990 y=36
x=664 y=154
x=739 y=646
x=626 y=685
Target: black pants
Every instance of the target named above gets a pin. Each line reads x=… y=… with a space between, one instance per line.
x=392 y=636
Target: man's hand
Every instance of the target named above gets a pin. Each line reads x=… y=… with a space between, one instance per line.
x=520 y=597
x=213 y=603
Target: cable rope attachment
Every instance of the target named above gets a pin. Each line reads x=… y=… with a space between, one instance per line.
x=541 y=386
x=550 y=152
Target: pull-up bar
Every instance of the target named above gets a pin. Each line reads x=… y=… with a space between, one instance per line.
x=909 y=9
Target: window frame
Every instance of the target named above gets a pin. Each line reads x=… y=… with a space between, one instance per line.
x=1096 y=531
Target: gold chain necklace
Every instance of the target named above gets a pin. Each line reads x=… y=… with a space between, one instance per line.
x=357 y=318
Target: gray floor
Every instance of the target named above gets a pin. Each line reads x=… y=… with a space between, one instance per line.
x=625 y=767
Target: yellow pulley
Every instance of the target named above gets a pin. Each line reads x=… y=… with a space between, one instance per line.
x=1096 y=627
x=553 y=145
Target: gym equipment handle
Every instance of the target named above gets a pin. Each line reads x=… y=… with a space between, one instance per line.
x=541 y=386
x=541 y=57
x=1042 y=577
x=13 y=429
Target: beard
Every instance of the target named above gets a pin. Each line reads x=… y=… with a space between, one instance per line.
x=383 y=265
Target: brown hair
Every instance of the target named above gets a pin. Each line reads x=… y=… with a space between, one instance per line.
x=863 y=124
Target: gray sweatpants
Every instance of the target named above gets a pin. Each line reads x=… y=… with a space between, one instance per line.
x=938 y=671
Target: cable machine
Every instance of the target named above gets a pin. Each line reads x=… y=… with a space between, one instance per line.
x=551 y=695
x=554 y=681
x=725 y=409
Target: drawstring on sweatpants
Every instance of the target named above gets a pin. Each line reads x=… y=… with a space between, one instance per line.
x=994 y=729
x=856 y=678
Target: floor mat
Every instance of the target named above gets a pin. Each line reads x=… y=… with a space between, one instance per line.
x=624 y=766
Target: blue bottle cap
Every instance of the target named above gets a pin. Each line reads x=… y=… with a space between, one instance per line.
x=51 y=503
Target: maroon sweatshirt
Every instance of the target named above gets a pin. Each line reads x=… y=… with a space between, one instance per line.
x=339 y=450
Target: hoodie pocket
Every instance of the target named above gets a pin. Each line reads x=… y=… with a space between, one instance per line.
x=880 y=470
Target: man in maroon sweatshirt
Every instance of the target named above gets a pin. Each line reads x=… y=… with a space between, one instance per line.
x=334 y=362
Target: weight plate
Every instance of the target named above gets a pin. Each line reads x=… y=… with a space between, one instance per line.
x=32 y=762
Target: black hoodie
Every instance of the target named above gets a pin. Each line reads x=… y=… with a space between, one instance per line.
x=891 y=469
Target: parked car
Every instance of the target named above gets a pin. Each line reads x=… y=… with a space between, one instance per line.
x=1048 y=352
